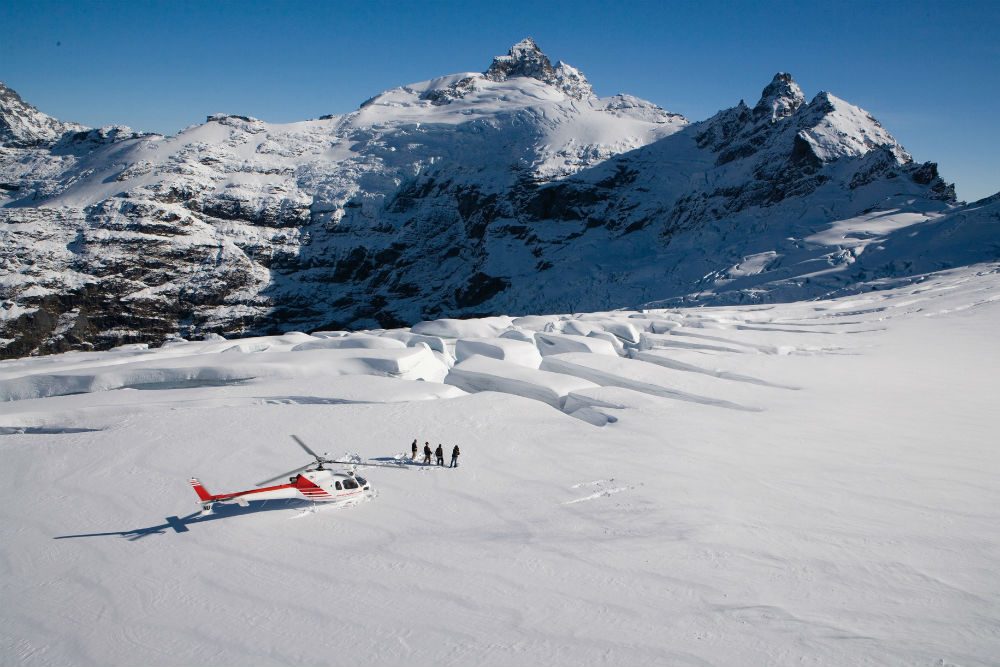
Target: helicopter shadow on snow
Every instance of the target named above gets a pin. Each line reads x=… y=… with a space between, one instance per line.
x=176 y=525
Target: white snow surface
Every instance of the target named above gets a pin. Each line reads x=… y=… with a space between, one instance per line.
x=522 y=353
x=480 y=373
x=800 y=483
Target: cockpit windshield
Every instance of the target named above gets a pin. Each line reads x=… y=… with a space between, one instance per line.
x=361 y=480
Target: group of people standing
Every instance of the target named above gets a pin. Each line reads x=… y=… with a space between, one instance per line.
x=439 y=453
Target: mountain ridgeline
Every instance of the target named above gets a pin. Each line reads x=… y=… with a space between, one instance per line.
x=516 y=190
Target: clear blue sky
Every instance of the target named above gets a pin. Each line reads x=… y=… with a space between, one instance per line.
x=930 y=71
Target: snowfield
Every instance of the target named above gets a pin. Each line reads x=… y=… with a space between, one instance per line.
x=812 y=482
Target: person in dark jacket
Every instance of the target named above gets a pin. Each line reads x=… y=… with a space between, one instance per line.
x=439 y=453
x=454 y=457
x=427 y=453
x=414 y=448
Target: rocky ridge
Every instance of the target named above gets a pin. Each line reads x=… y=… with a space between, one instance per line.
x=24 y=126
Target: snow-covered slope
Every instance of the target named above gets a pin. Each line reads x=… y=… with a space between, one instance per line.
x=786 y=484
x=516 y=190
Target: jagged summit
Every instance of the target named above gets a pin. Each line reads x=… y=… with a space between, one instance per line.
x=526 y=59
x=783 y=124
x=22 y=125
x=526 y=80
x=780 y=99
x=523 y=59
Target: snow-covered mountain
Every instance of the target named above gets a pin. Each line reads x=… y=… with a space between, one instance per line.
x=514 y=190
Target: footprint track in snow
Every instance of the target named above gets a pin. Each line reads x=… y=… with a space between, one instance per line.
x=596 y=482
x=602 y=491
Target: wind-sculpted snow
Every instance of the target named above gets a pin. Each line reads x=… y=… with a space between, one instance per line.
x=479 y=373
x=516 y=190
x=636 y=375
x=473 y=328
x=815 y=484
x=522 y=353
x=207 y=369
x=551 y=343
x=359 y=341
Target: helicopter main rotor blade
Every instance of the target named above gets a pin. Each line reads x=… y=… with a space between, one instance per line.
x=306 y=447
x=394 y=466
x=277 y=477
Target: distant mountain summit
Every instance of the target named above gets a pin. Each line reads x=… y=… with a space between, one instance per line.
x=23 y=126
x=523 y=59
x=780 y=99
x=513 y=190
x=526 y=59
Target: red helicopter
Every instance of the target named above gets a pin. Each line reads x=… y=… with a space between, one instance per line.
x=310 y=482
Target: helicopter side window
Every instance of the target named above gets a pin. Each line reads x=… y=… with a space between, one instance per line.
x=339 y=487
x=350 y=484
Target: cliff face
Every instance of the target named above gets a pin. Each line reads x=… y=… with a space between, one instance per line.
x=516 y=190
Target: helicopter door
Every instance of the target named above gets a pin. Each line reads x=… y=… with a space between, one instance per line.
x=350 y=484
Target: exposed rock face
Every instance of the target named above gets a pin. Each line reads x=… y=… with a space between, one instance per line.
x=512 y=191
x=523 y=59
x=780 y=99
x=527 y=60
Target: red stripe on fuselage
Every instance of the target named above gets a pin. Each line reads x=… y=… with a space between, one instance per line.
x=309 y=488
x=237 y=494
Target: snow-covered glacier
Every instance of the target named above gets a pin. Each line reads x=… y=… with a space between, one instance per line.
x=796 y=483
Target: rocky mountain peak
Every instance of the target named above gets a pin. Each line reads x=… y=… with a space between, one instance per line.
x=22 y=125
x=527 y=60
x=836 y=128
x=779 y=99
x=527 y=48
x=523 y=59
